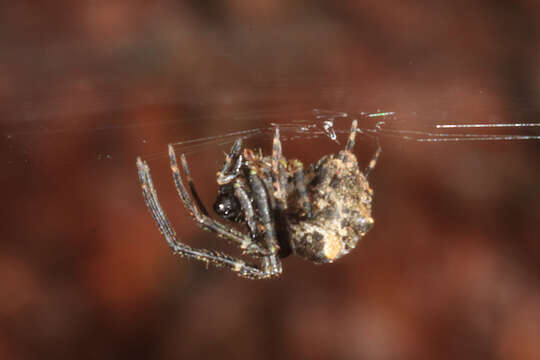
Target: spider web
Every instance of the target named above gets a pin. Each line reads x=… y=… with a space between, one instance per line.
x=382 y=124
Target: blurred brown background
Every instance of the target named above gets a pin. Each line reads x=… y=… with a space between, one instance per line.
x=451 y=269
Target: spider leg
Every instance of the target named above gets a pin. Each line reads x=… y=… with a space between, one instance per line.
x=204 y=221
x=260 y=199
x=233 y=162
x=279 y=216
x=241 y=194
x=279 y=177
x=267 y=180
x=373 y=161
x=265 y=201
x=350 y=145
x=279 y=174
x=192 y=186
x=300 y=185
x=264 y=271
x=350 y=141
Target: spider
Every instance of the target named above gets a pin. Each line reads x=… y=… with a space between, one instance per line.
x=319 y=214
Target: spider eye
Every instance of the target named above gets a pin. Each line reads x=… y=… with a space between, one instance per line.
x=227 y=207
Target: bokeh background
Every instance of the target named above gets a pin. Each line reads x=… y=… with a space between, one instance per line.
x=451 y=269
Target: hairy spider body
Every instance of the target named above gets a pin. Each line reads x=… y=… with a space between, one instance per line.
x=319 y=214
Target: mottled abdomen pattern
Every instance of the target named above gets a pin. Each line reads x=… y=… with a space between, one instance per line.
x=340 y=210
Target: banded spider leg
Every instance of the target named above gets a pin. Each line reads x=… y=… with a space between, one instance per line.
x=216 y=258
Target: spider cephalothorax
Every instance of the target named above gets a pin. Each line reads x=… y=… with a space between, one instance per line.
x=319 y=214
x=227 y=205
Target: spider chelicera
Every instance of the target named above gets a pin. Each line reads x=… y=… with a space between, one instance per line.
x=319 y=214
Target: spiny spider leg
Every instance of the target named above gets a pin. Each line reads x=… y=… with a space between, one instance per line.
x=207 y=256
x=204 y=221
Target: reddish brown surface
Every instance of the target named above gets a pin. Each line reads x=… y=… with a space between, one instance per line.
x=451 y=269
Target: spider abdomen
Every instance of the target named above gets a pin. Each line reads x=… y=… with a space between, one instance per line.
x=340 y=210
